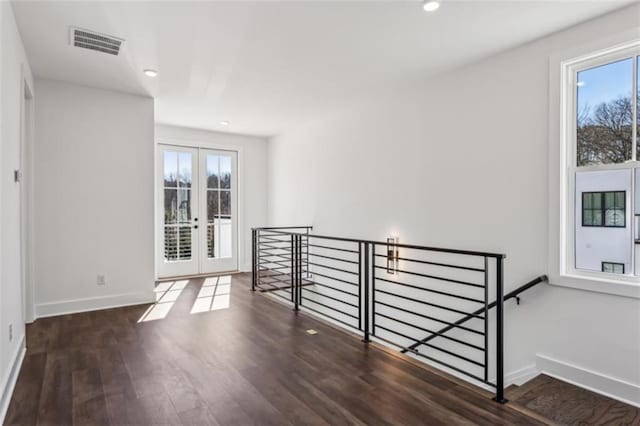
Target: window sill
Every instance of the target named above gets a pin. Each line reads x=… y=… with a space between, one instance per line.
x=626 y=287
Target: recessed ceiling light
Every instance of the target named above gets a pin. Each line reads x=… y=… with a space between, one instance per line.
x=224 y=123
x=150 y=73
x=431 y=5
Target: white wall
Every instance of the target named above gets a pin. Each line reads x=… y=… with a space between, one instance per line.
x=252 y=167
x=94 y=159
x=460 y=161
x=14 y=71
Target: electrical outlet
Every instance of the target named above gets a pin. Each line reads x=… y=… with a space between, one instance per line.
x=10 y=332
x=101 y=280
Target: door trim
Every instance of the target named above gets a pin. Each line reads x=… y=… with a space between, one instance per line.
x=193 y=143
x=26 y=149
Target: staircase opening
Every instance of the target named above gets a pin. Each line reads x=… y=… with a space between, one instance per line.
x=443 y=306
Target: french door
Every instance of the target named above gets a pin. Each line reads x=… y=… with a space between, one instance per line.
x=197 y=211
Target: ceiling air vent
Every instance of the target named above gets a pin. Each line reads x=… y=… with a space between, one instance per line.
x=96 y=41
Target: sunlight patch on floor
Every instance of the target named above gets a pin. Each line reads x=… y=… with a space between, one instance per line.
x=166 y=295
x=210 y=282
x=214 y=295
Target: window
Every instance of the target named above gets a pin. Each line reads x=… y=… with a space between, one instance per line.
x=604 y=114
x=613 y=268
x=602 y=166
x=605 y=209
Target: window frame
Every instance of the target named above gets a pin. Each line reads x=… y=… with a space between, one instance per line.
x=563 y=153
x=603 y=209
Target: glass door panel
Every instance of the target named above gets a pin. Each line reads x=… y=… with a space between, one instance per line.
x=178 y=227
x=219 y=168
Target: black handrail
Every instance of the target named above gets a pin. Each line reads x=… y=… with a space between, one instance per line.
x=510 y=295
x=268 y=228
x=384 y=243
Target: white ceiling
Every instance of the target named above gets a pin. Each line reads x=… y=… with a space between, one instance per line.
x=264 y=66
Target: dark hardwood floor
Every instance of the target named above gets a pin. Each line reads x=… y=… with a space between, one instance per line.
x=233 y=359
x=565 y=404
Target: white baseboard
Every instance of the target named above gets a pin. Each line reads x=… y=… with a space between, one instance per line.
x=8 y=386
x=521 y=376
x=612 y=387
x=93 y=304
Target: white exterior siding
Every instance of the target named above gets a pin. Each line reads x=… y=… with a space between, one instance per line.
x=595 y=245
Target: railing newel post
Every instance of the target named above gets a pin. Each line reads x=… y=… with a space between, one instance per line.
x=359 y=285
x=299 y=270
x=366 y=293
x=254 y=269
x=500 y=331
x=307 y=255
x=486 y=319
x=373 y=289
x=294 y=295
